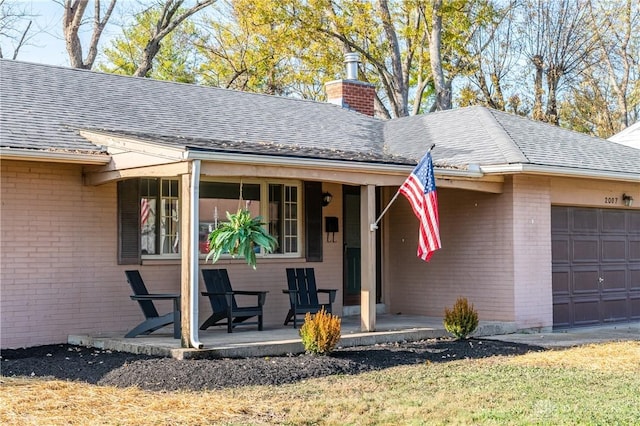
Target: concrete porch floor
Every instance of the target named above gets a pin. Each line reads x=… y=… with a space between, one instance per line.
x=274 y=341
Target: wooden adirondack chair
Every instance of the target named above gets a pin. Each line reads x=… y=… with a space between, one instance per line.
x=303 y=294
x=223 y=302
x=153 y=321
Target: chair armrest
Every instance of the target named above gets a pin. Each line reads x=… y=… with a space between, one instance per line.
x=293 y=296
x=157 y=296
x=215 y=293
x=330 y=292
x=249 y=293
x=262 y=295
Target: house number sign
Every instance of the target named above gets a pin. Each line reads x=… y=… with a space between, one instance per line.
x=611 y=200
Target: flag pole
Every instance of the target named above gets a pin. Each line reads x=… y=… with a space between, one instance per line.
x=374 y=225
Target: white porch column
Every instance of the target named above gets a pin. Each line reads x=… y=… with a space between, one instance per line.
x=368 y=258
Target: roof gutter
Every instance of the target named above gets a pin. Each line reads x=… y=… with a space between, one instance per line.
x=392 y=169
x=20 y=154
x=559 y=171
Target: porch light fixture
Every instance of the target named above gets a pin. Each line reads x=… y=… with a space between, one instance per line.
x=326 y=198
x=627 y=200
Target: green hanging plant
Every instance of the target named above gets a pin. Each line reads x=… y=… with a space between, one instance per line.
x=239 y=237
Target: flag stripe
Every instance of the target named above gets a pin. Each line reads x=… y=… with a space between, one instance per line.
x=420 y=189
x=144 y=210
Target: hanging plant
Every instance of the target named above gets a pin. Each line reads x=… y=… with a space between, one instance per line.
x=239 y=237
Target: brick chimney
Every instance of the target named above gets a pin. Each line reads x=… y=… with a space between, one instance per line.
x=351 y=93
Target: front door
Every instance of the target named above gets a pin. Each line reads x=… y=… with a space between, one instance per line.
x=351 y=226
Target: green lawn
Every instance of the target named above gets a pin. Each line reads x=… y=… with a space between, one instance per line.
x=593 y=385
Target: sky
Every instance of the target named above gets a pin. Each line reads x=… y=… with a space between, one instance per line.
x=46 y=44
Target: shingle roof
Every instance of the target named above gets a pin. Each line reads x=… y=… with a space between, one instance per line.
x=462 y=136
x=44 y=107
x=266 y=148
x=488 y=137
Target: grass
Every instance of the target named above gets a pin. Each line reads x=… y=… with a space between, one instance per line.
x=593 y=385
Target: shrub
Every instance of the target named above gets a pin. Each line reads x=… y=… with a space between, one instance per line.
x=320 y=332
x=462 y=320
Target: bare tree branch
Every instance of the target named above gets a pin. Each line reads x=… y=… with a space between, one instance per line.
x=11 y=21
x=98 y=27
x=167 y=22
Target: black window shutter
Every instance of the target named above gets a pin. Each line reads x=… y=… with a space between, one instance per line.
x=129 y=222
x=313 y=220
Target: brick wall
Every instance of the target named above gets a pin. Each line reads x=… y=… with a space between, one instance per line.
x=475 y=260
x=496 y=252
x=58 y=261
x=58 y=255
x=532 y=251
x=352 y=94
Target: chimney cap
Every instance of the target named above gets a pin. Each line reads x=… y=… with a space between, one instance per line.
x=352 y=59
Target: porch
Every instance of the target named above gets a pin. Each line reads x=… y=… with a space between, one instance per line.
x=274 y=341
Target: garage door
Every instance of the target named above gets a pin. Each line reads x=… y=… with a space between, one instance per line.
x=596 y=265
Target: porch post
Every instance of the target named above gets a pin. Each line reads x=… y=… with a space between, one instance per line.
x=368 y=258
x=189 y=196
x=185 y=256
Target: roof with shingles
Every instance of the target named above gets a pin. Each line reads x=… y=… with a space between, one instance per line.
x=43 y=107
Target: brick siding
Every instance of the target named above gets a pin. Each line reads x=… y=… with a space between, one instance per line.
x=58 y=256
x=353 y=94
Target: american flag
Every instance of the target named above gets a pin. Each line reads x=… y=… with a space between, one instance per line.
x=144 y=210
x=420 y=190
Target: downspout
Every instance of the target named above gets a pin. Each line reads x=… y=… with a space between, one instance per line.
x=194 y=219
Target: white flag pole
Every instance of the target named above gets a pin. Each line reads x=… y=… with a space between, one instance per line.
x=374 y=225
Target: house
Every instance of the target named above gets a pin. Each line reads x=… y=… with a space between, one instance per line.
x=103 y=173
x=629 y=136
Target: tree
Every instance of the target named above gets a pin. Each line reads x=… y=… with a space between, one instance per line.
x=392 y=38
x=171 y=15
x=495 y=50
x=260 y=51
x=74 y=11
x=617 y=31
x=15 y=24
x=588 y=106
x=442 y=88
x=559 y=47
x=175 y=60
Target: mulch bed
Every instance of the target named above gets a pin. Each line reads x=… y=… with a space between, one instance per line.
x=122 y=369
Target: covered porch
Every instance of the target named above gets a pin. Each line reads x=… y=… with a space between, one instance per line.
x=372 y=187
x=277 y=341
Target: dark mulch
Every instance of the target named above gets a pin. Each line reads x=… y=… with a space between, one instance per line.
x=123 y=369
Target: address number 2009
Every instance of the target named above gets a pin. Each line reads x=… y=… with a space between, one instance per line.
x=611 y=200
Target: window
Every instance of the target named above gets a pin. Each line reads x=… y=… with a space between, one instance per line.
x=280 y=212
x=148 y=215
x=159 y=216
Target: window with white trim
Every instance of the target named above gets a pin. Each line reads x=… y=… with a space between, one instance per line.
x=280 y=212
x=159 y=216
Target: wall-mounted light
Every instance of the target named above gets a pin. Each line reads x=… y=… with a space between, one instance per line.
x=326 y=198
x=627 y=200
